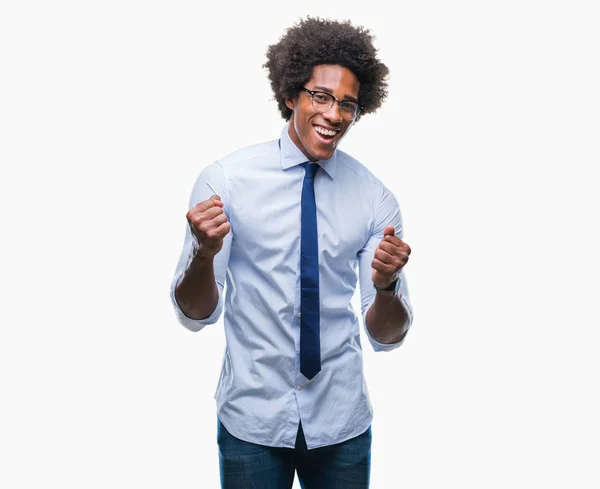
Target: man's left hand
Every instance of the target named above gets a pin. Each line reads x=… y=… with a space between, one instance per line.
x=390 y=256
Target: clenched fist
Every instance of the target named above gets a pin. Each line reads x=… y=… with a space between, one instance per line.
x=390 y=256
x=209 y=225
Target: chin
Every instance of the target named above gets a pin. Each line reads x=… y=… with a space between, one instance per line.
x=322 y=155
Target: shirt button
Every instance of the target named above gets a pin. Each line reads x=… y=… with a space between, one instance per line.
x=299 y=387
x=299 y=314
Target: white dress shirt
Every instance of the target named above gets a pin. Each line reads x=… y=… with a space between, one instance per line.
x=261 y=394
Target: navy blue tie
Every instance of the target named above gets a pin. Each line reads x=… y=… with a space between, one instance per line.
x=310 y=341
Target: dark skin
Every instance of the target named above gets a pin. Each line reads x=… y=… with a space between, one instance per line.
x=197 y=293
x=387 y=318
x=340 y=83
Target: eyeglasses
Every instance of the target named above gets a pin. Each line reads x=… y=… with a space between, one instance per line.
x=323 y=101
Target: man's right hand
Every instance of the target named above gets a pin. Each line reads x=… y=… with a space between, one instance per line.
x=209 y=224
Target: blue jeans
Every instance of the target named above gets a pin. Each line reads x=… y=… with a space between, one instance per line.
x=246 y=465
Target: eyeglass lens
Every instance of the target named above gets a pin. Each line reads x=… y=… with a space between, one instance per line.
x=323 y=101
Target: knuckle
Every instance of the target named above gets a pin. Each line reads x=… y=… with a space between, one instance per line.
x=203 y=227
x=193 y=214
x=204 y=205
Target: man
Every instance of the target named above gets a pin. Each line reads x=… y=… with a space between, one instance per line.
x=286 y=224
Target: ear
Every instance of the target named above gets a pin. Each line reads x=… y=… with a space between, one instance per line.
x=290 y=103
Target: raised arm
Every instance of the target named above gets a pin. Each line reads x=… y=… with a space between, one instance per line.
x=387 y=315
x=197 y=287
x=197 y=293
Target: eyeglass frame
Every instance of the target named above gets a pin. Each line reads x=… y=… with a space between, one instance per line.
x=335 y=99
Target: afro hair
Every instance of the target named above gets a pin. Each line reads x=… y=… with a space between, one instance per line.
x=315 y=41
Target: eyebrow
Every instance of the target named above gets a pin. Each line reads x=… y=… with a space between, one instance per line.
x=346 y=96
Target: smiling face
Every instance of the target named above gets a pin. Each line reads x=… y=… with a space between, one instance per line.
x=317 y=134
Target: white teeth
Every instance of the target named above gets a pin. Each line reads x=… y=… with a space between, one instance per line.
x=325 y=132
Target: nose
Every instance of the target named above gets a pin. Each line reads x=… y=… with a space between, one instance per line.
x=334 y=114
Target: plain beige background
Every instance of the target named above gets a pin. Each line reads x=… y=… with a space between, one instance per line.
x=109 y=110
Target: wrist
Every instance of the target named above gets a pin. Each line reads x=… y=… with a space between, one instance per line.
x=391 y=290
x=201 y=260
x=200 y=253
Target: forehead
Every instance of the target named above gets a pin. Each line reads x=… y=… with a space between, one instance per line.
x=339 y=80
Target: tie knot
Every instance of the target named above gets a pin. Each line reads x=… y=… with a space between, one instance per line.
x=311 y=170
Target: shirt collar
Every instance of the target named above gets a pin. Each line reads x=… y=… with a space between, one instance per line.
x=292 y=156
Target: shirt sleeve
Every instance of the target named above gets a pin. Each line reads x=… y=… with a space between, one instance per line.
x=211 y=181
x=387 y=213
